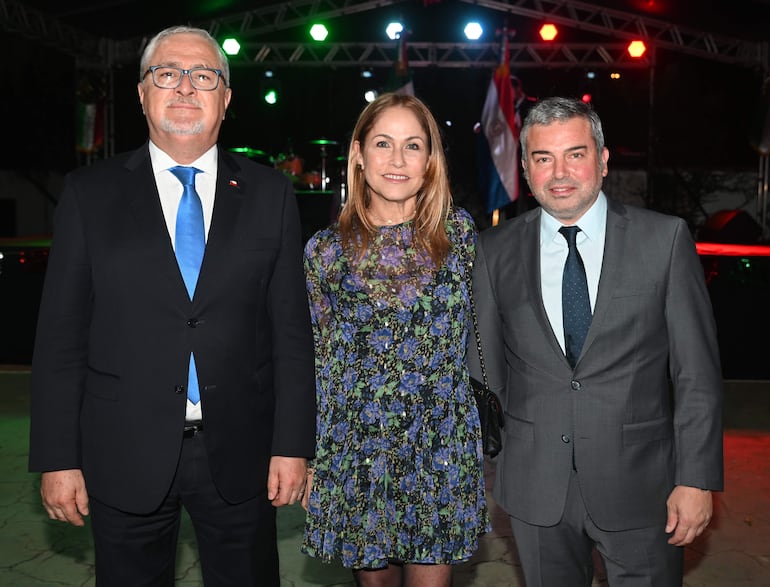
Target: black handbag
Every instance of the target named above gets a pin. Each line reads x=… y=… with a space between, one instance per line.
x=489 y=406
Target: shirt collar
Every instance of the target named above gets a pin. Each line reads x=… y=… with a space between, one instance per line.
x=592 y=223
x=161 y=161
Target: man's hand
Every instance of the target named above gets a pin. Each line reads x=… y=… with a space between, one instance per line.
x=689 y=512
x=286 y=480
x=64 y=495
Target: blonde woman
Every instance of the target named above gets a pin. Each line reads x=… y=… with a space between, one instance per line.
x=398 y=491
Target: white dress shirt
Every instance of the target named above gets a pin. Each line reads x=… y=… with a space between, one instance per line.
x=553 y=254
x=170 y=190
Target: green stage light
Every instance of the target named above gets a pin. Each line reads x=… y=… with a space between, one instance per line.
x=319 y=32
x=231 y=46
x=270 y=88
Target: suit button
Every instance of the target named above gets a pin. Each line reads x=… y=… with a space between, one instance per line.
x=179 y=389
x=575 y=385
x=192 y=322
x=565 y=439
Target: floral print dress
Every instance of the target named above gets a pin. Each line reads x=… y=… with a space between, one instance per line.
x=399 y=467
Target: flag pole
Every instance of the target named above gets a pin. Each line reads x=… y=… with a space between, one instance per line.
x=505 y=59
x=497 y=138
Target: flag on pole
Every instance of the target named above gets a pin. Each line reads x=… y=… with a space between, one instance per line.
x=499 y=139
x=401 y=78
x=90 y=126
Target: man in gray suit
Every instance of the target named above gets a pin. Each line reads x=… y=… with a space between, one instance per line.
x=617 y=442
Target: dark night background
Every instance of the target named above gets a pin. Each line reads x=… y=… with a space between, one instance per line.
x=704 y=112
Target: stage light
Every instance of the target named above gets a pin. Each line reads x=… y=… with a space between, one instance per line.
x=548 y=32
x=473 y=31
x=319 y=32
x=370 y=96
x=393 y=30
x=271 y=88
x=231 y=46
x=636 y=49
x=615 y=75
x=367 y=73
x=586 y=98
x=271 y=96
x=591 y=75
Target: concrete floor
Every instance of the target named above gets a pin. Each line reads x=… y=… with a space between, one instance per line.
x=733 y=552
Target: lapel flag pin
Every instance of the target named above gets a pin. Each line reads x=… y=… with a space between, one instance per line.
x=233 y=183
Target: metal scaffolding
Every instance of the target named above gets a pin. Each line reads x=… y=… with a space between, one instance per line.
x=252 y=26
x=616 y=25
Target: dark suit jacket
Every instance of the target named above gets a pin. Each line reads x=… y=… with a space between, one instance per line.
x=652 y=334
x=116 y=329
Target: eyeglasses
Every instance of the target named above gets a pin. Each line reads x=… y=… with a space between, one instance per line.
x=169 y=78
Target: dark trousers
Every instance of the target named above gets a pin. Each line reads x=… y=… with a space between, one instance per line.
x=236 y=543
x=561 y=555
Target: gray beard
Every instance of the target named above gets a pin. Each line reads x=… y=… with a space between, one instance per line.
x=186 y=129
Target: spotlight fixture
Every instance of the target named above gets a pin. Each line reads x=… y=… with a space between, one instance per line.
x=548 y=32
x=473 y=31
x=636 y=49
x=319 y=32
x=231 y=46
x=393 y=30
x=270 y=88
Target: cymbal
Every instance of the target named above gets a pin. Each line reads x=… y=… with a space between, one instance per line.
x=322 y=142
x=248 y=151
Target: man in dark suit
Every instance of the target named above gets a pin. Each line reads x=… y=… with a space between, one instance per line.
x=161 y=381
x=613 y=438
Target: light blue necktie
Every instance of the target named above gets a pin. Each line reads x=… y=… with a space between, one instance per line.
x=575 y=303
x=189 y=245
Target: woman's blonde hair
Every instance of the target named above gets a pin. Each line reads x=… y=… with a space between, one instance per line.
x=434 y=199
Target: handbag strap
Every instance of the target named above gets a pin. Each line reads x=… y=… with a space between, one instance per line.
x=469 y=275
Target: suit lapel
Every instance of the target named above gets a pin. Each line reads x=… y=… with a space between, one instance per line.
x=228 y=202
x=141 y=193
x=615 y=243
x=530 y=251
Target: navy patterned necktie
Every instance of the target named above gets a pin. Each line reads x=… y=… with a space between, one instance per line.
x=575 y=303
x=189 y=246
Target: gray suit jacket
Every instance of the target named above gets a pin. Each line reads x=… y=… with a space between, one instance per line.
x=641 y=412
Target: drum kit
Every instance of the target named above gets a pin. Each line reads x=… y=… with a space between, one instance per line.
x=293 y=166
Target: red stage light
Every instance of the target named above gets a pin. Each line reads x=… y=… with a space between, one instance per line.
x=636 y=49
x=548 y=32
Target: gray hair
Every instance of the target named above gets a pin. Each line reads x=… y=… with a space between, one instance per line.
x=559 y=109
x=149 y=50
